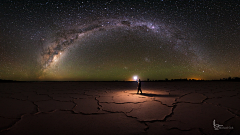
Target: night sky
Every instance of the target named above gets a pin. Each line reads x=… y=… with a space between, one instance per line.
x=117 y=39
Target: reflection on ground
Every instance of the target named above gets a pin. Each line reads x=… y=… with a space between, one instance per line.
x=115 y=107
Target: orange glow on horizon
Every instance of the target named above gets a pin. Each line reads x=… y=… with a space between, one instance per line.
x=195 y=78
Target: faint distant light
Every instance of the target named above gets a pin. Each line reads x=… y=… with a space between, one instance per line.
x=135 y=78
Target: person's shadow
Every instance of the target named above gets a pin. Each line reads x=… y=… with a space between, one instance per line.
x=156 y=95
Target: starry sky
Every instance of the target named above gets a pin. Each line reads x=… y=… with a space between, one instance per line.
x=117 y=39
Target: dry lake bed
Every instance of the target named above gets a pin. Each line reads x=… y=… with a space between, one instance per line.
x=75 y=108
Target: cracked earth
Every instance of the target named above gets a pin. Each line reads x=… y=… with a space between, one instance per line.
x=116 y=108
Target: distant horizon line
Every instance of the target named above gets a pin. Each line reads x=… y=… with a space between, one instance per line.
x=166 y=80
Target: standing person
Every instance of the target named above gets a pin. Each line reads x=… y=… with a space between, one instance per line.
x=139 y=86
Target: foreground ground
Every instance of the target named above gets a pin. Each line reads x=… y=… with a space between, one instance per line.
x=115 y=108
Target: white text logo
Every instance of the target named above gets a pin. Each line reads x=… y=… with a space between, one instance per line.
x=218 y=126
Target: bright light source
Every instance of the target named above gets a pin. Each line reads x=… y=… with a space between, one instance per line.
x=135 y=77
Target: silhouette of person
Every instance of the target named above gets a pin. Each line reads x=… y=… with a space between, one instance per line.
x=139 y=86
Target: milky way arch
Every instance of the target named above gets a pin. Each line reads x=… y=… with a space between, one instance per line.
x=64 y=39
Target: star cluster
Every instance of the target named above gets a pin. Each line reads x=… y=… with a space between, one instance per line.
x=115 y=40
